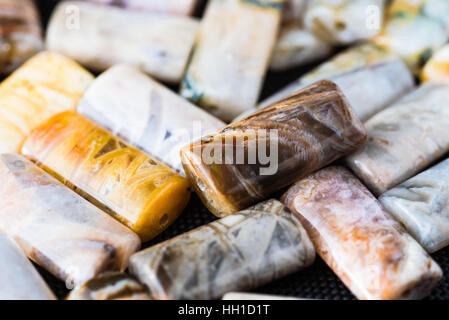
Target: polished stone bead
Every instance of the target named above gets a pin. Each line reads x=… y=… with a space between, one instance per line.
x=414 y=30
x=110 y=286
x=20 y=33
x=367 y=249
x=231 y=55
x=46 y=84
x=181 y=7
x=101 y=36
x=18 y=278
x=238 y=252
x=142 y=193
x=251 y=159
x=421 y=205
x=58 y=229
x=437 y=68
x=404 y=139
x=145 y=113
x=344 y=21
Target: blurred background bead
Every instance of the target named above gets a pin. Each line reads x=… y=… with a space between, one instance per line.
x=46 y=84
x=100 y=36
x=20 y=33
x=437 y=68
x=231 y=55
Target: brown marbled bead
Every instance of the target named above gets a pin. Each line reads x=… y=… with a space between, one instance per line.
x=304 y=132
x=369 y=251
x=238 y=252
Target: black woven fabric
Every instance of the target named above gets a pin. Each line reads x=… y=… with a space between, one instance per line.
x=315 y=282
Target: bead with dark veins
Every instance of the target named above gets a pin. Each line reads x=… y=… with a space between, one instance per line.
x=303 y=133
x=238 y=252
x=368 y=250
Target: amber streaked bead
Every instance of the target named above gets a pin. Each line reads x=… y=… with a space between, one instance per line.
x=142 y=193
x=305 y=132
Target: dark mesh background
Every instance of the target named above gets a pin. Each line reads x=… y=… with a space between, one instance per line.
x=315 y=282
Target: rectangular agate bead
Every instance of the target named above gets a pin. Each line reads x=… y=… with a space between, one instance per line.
x=421 y=205
x=180 y=7
x=56 y=228
x=231 y=55
x=46 y=84
x=19 y=279
x=344 y=21
x=238 y=252
x=369 y=89
x=142 y=193
x=145 y=113
x=110 y=286
x=303 y=133
x=100 y=36
x=20 y=33
x=368 y=250
x=414 y=29
x=404 y=139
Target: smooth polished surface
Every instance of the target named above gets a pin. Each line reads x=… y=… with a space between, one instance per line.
x=142 y=193
x=239 y=252
x=146 y=114
x=58 y=229
x=299 y=135
x=421 y=204
x=404 y=139
x=46 y=84
x=181 y=7
x=100 y=36
x=110 y=286
x=231 y=55
x=369 y=251
x=20 y=33
x=19 y=280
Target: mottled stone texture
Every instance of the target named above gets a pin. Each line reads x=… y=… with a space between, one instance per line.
x=110 y=286
x=142 y=193
x=101 y=36
x=57 y=228
x=369 y=88
x=238 y=252
x=231 y=56
x=344 y=21
x=181 y=7
x=414 y=30
x=421 y=204
x=20 y=33
x=18 y=278
x=437 y=68
x=312 y=128
x=359 y=240
x=404 y=139
x=46 y=84
x=146 y=114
